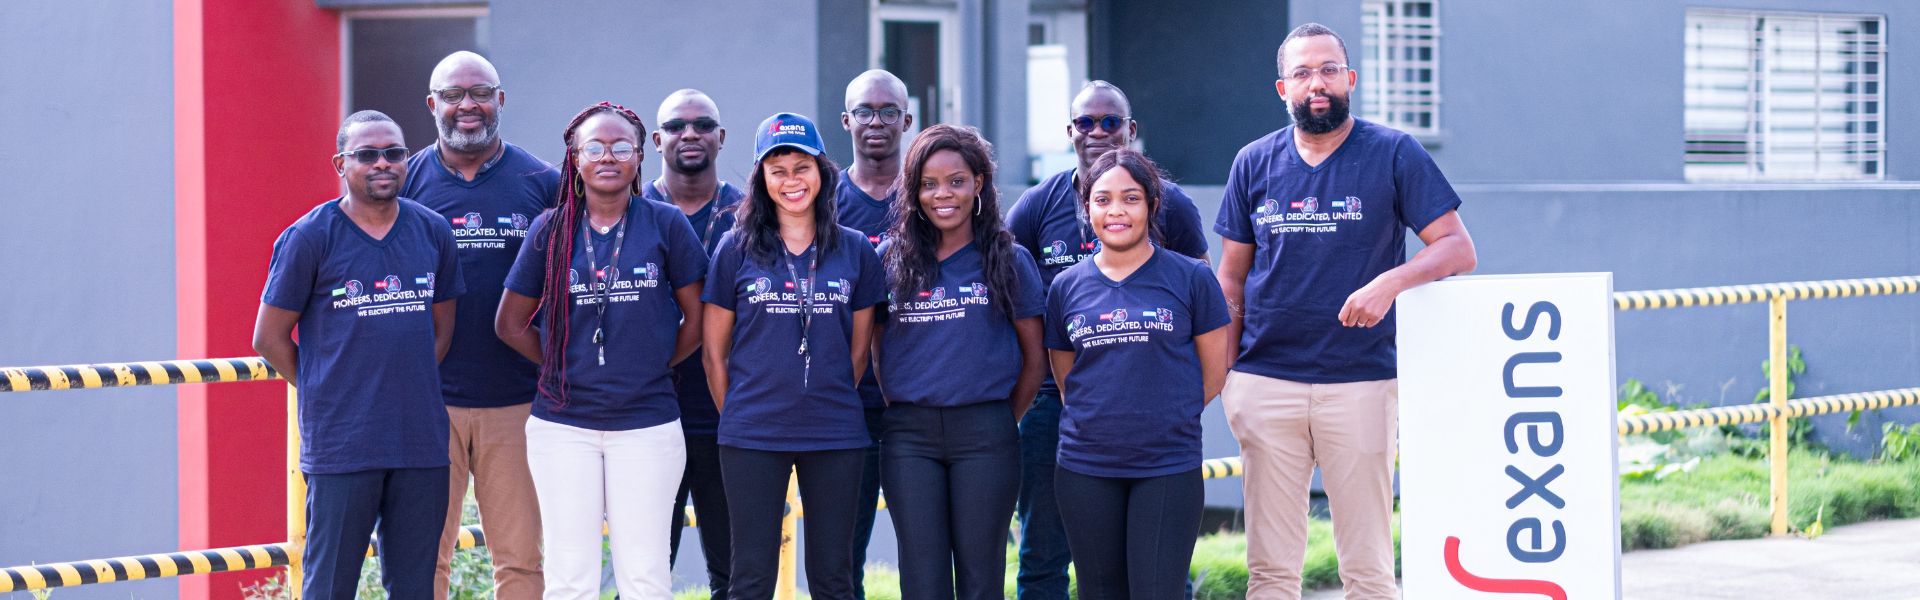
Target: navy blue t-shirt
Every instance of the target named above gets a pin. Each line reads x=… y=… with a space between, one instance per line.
x=1319 y=234
x=873 y=217
x=697 y=414
x=489 y=216
x=634 y=390
x=775 y=401
x=369 y=389
x=1134 y=395
x=1047 y=220
x=949 y=345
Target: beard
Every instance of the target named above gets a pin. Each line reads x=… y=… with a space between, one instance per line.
x=468 y=142
x=684 y=165
x=1336 y=114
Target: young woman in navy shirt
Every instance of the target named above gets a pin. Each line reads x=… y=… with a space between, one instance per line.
x=624 y=277
x=789 y=319
x=1138 y=345
x=960 y=359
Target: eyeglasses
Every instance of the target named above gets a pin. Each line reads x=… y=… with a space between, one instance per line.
x=1327 y=71
x=482 y=93
x=622 y=151
x=368 y=156
x=1107 y=123
x=702 y=125
x=888 y=116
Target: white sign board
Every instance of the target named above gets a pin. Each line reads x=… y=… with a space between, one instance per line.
x=1508 y=483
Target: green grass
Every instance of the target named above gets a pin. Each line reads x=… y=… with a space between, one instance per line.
x=1725 y=498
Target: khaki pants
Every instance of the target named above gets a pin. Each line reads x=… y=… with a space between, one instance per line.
x=1350 y=430
x=491 y=443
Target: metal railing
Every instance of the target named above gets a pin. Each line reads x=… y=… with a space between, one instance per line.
x=287 y=554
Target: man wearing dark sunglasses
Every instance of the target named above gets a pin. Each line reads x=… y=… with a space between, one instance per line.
x=1047 y=220
x=689 y=140
x=876 y=116
x=489 y=191
x=370 y=281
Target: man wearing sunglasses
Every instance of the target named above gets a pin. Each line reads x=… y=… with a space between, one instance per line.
x=1048 y=221
x=877 y=118
x=689 y=140
x=489 y=191
x=370 y=280
x=1314 y=255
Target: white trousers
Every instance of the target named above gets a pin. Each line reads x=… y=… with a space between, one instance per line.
x=629 y=478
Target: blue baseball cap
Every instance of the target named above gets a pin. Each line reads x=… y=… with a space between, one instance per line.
x=788 y=130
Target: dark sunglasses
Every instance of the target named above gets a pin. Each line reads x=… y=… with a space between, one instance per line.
x=702 y=125
x=368 y=156
x=1108 y=123
x=482 y=93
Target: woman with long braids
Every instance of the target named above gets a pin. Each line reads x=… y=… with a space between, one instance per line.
x=615 y=281
x=960 y=359
x=1139 y=345
x=789 y=316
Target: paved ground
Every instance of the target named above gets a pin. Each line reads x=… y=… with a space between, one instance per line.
x=1869 y=561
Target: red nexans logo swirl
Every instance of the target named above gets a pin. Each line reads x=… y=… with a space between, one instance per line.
x=1497 y=586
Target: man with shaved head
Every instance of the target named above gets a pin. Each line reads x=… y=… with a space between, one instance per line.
x=1048 y=221
x=489 y=191
x=876 y=116
x=689 y=138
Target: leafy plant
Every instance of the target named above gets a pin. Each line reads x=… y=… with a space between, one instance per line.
x=1899 y=443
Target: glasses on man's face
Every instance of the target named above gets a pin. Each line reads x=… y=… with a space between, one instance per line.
x=888 y=116
x=481 y=94
x=701 y=125
x=1327 y=71
x=621 y=151
x=368 y=156
x=1107 y=123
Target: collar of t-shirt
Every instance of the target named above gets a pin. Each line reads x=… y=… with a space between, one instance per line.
x=484 y=167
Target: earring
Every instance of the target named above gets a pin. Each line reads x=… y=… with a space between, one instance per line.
x=976 y=207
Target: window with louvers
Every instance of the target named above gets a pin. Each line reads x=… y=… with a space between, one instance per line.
x=1784 y=96
x=1401 y=86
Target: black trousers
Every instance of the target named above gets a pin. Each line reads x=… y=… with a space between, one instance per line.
x=952 y=475
x=756 y=482
x=702 y=482
x=409 y=506
x=1132 y=538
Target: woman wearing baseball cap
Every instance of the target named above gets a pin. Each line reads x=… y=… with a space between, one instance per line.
x=789 y=314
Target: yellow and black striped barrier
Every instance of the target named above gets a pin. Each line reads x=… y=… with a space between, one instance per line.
x=1741 y=294
x=103 y=375
x=154 y=566
x=1218 y=468
x=1755 y=413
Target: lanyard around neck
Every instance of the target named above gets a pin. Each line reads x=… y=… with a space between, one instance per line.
x=602 y=289
x=805 y=288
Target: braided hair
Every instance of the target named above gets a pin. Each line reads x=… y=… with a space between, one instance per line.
x=564 y=221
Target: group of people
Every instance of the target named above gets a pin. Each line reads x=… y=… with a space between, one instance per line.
x=624 y=344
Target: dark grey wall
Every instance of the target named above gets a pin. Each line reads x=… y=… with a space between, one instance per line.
x=754 y=57
x=87 y=246
x=1592 y=91
x=1201 y=79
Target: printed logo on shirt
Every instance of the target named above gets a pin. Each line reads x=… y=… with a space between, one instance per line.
x=471 y=231
x=785 y=300
x=976 y=290
x=934 y=305
x=1114 y=327
x=573 y=278
x=385 y=298
x=877 y=239
x=1349 y=205
x=1304 y=215
x=608 y=285
x=1058 y=256
x=649 y=274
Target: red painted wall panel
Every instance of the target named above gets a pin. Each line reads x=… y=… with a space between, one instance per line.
x=257 y=105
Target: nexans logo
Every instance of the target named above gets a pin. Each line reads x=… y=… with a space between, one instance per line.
x=1532 y=440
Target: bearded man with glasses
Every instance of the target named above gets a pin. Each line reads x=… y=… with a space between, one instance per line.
x=1049 y=222
x=489 y=191
x=1314 y=254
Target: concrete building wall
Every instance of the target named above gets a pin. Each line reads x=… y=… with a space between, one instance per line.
x=87 y=243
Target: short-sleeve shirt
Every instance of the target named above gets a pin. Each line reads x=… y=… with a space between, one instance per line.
x=1319 y=234
x=634 y=389
x=871 y=217
x=697 y=413
x=369 y=386
x=948 y=345
x=777 y=398
x=489 y=216
x=1047 y=220
x=1134 y=396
